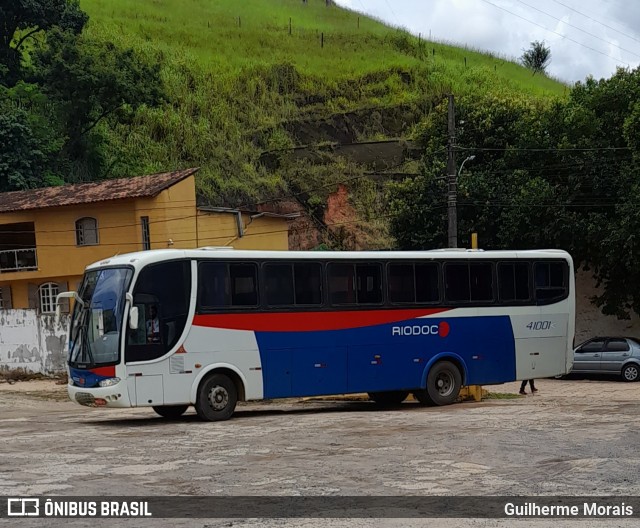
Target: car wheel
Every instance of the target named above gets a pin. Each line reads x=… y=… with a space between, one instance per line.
x=217 y=398
x=171 y=411
x=631 y=372
x=389 y=398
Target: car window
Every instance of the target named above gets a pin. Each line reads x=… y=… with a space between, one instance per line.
x=617 y=345
x=592 y=346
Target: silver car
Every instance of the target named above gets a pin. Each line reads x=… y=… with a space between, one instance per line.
x=608 y=355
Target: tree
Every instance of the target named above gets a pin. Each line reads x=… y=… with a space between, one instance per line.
x=23 y=20
x=28 y=145
x=563 y=174
x=92 y=83
x=76 y=86
x=537 y=57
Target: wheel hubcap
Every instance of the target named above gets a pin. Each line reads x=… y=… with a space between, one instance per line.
x=444 y=383
x=218 y=398
x=631 y=373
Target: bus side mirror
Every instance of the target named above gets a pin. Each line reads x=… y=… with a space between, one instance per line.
x=66 y=295
x=69 y=295
x=133 y=318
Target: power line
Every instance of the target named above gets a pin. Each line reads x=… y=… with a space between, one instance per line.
x=550 y=149
x=295 y=195
x=261 y=233
x=565 y=205
x=393 y=12
x=201 y=213
x=466 y=203
x=597 y=21
x=556 y=33
x=578 y=28
x=349 y=180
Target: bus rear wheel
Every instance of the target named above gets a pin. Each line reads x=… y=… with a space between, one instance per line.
x=217 y=398
x=443 y=385
x=171 y=411
x=388 y=398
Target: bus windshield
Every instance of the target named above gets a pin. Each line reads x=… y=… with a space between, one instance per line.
x=96 y=326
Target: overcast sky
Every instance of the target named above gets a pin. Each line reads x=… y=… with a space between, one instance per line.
x=586 y=37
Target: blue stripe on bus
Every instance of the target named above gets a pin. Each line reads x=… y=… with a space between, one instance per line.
x=391 y=356
x=86 y=378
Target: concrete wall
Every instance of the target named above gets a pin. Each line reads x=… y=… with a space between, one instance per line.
x=33 y=342
x=589 y=319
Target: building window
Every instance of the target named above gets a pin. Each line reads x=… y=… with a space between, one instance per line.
x=146 y=238
x=47 y=294
x=86 y=231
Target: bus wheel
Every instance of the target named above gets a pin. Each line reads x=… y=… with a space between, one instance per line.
x=171 y=411
x=422 y=397
x=388 y=398
x=217 y=398
x=443 y=385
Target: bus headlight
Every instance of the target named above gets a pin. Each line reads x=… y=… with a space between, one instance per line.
x=108 y=382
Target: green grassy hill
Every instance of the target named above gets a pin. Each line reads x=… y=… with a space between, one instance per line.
x=236 y=78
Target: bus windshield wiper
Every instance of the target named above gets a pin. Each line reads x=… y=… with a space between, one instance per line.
x=85 y=342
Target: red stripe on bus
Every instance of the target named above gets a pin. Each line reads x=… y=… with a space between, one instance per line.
x=104 y=371
x=309 y=321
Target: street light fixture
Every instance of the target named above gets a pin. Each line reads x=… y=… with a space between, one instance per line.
x=469 y=158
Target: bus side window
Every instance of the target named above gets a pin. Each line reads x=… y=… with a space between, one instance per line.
x=469 y=281
x=341 y=283
x=551 y=281
x=457 y=282
x=244 y=284
x=427 y=287
x=162 y=294
x=402 y=284
x=369 y=281
x=213 y=285
x=514 y=281
x=278 y=284
x=308 y=283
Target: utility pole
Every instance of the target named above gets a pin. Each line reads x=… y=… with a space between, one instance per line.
x=452 y=177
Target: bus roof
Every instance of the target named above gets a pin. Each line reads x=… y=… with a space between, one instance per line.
x=142 y=258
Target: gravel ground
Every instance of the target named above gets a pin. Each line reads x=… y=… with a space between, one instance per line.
x=574 y=437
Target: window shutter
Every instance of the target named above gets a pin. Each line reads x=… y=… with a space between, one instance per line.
x=34 y=302
x=6 y=297
x=64 y=303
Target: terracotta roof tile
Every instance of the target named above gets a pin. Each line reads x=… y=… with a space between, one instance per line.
x=82 y=193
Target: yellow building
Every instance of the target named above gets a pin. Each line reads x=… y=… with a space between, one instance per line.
x=48 y=236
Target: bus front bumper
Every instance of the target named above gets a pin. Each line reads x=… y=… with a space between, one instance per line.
x=113 y=396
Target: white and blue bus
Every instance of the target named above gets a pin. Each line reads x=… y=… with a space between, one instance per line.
x=210 y=327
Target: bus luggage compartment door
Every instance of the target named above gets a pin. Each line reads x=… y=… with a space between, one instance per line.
x=319 y=371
